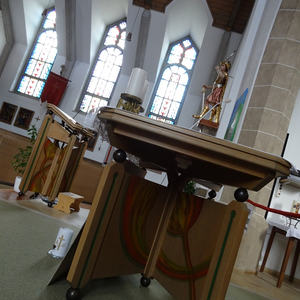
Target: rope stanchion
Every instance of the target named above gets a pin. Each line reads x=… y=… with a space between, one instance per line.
x=276 y=211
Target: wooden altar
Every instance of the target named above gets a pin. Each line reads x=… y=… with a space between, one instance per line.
x=187 y=243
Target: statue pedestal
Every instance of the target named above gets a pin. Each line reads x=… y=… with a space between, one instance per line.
x=208 y=127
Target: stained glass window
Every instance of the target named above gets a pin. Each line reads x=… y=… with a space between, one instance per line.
x=106 y=68
x=173 y=81
x=41 y=59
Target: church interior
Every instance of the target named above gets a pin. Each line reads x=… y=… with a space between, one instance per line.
x=99 y=76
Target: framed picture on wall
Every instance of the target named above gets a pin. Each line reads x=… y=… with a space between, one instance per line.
x=8 y=112
x=24 y=118
x=92 y=141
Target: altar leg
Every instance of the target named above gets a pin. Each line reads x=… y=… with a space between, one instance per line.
x=95 y=228
x=160 y=234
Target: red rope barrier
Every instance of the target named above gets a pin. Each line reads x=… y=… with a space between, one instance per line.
x=276 y=211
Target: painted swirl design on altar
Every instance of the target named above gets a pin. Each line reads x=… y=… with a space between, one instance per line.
x=140 y=201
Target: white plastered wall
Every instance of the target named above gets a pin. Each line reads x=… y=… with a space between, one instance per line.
x=2 y=33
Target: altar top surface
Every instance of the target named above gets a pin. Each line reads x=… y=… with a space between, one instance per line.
x=192 y=153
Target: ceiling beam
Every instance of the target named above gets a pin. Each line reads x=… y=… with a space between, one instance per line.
x=158 y=5
x=231 y=15
x=234 y=12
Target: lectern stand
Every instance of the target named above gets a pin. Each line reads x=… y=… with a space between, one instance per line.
x=59 y=147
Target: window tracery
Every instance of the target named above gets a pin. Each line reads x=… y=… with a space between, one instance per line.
x=173 y=81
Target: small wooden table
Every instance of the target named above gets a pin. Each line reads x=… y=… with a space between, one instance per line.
x=288 y=251
x=183 y=154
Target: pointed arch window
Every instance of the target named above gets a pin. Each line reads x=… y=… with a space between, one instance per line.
x=41 y=58
x=106 y=68
x=174 y=79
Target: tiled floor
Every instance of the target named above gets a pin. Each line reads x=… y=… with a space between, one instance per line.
x=265 y=284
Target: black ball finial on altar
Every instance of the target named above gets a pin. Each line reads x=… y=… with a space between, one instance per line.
x=241 y=195
x=145 y=281
x=119 y=156
x=212 y=194
x=73 y=294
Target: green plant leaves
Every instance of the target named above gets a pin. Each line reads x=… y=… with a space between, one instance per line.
x=20 y=160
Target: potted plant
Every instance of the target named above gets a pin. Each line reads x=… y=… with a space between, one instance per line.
x=190 y=187
x=20 y=160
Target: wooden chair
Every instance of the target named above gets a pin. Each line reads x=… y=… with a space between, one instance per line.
x=288 y=251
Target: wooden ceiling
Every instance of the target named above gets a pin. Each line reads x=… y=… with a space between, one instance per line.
x=230 y=15
x=159 y=5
